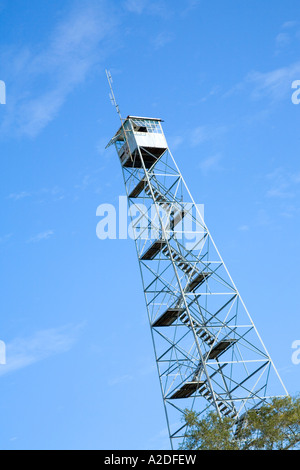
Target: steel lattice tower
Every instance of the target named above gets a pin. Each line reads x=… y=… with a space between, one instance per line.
x=208 y=352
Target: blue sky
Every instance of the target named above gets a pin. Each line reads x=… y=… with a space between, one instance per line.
x=80 y=369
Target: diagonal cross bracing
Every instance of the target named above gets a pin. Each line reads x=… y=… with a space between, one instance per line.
x=208 y=352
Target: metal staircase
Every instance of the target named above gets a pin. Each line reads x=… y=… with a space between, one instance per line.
x=208 y=352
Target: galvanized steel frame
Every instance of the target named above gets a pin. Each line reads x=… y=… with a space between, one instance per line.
x=211 y=356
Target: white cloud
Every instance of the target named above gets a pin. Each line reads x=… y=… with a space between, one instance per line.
x=283 y=184
x=243 y=228
x=199 y=135
x=276 y=84
x=203 y=134
x=152 y=7
x=161 y=40
x=136 y=6
x=283 y=39
x=211 y=163
x=191 y=5
x=287 y=37
x=53 y=194
x=5 y=238
x=161 y=7
x=175 y=141
x=120 y=380
x=42 y=79
x=18 y=196
x=213 y=91
x=41 y=236
x=23 y=352
x=290 y=24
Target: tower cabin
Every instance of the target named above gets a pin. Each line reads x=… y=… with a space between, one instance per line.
x=139 y=136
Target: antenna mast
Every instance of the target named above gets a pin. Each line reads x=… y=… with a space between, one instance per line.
x=115 y=104
x=112 y=95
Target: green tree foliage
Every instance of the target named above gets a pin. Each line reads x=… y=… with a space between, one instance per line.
x=274 y=426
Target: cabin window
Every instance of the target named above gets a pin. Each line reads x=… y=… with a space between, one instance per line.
x=139 y=128
x=147 y=125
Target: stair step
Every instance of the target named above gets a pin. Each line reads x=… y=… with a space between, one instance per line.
x=178 y=217
x=168 y=317
x=196 y=282
x=220 y=348
x=189 y=269
x=222 y=406
x=138 y=189
x=182 y=263
x=203 y=334
x=153 y=250
x=187 y=390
